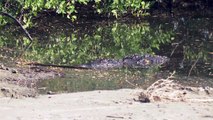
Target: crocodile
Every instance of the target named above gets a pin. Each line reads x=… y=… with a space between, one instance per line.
x=131 y=61
x=103 y=64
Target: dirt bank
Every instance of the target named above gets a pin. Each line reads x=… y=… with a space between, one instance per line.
x=15 y=91
x=101 y=105
x=163 y=100
x=21 y=81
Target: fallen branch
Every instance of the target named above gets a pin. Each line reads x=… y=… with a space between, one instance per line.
x=25 y=49
x=176 y=46
x=115 y=117
x=193 y=67
x=131 y=83
x=171 y=76
x=10 y=16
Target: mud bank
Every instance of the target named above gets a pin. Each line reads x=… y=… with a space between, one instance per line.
x=21 y=81
x=163 y=100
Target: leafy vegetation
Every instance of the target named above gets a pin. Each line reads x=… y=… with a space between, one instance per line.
x=121 y=7
x=114 y=41
x=26 y=10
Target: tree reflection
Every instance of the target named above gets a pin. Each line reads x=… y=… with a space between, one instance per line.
x=80 y=43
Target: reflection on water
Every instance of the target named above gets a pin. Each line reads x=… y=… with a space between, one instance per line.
x=83 y=80
x=188 y=42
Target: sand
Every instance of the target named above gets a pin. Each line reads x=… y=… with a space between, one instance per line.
x=17 y=102
x=101 y=105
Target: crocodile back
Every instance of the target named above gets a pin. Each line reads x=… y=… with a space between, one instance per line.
x=103 y=64
x=132 y=61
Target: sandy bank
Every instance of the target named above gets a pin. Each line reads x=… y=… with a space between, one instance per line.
x=101 y=105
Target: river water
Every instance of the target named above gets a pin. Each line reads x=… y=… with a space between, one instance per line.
x=187 y=41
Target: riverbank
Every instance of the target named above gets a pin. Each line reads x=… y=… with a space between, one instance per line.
x=18 y=82
x=101 y=105
x=163 y=100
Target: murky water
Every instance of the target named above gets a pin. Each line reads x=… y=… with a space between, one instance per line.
x=83 y=80
x=187 y=41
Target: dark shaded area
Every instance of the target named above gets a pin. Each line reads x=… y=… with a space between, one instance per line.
x=175 y=7
x=157 y=7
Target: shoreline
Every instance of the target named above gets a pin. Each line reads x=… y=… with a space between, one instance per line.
x=163 y=100
x=101 y=105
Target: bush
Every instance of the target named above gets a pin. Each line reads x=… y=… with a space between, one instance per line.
x=25 y=10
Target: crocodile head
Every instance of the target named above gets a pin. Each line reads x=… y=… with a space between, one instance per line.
x=144 y=61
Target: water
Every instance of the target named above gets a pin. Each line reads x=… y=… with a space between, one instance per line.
x=187 y=41
x=84 y=80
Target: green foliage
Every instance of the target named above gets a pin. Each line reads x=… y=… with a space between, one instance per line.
x=121 y=7
x=191 y=53
x=113 y=41
x=25 y=10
